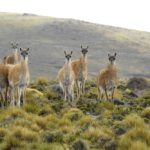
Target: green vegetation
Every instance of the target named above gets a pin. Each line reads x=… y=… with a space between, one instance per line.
x=46 y=122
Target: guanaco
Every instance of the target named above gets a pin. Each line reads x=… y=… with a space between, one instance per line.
x=19 y=77
x=4 y=69
x=66 y=78
x=107 y=78
x=13 y=58
x=79 y=67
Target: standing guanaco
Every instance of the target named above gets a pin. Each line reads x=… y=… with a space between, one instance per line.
x=13 y=58
x=79 y=67
x=19 y=78
x=66 y=78
x=107 y=78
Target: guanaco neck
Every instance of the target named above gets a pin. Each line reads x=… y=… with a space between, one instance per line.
x=16 y=55
x=24 y=65
x=111 y=66
x=83 y=60
x=112 y=69
x=68 y=67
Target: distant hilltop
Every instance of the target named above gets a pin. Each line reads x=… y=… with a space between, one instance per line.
x=48 y=37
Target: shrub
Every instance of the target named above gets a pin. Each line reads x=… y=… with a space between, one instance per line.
x=51 y=137
x=41 y=122
x=32 y=107
x=146 y=113
x=24 y=134
x=133 y=120
x=3 y=133
x=42 y=81
x=73 y=114
x=80 y=144
x=141 y=135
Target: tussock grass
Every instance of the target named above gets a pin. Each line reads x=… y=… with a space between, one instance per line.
x=43 y=81
x=80 y=144
x=46 y=122
x=32 y=107
x=146 y=113
x=133 y=120
x=41 y=122
x=47 y=146
x=95 y=133
x=138 y=135
x=139 y=145
x=3 y=133
x=88 y=121
x=73 y=114
x=25 y=134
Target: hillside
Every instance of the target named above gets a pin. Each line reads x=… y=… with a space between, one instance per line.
x=47 y=122
x=48 y=37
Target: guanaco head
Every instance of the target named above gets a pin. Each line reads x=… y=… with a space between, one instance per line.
x=24 y=53
x=14 y=45
x=84 y=50
x=112 y=58
x=68 y=56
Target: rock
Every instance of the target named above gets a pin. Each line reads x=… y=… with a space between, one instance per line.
x=138 y=84
x=110 y=146
x=56 y=88
x=80 y=145
x=103 y=140
x=130 y=103
x=118 y=102
x=117 y=117
x=145 y=104
x=120 y=131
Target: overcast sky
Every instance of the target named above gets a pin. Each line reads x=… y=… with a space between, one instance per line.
x=134 y=14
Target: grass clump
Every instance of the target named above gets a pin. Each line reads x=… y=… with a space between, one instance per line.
x=146 y=113
x=41 y=122
x=3 y=133
x=32 y=107
x=43 y=81
x=140 y=136
x=73 y=114
x=80 y=144
x=94 y=134
x=133 y=120
x=52 y=137
x=25 y=134
x=46 y=146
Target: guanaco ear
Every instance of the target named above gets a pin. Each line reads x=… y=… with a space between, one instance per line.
x=27 y=49
x=21 y=49
x=71 y=52
x=115 y=54
x=81 y=47
x=87 y=47
x=108 y=55
x=65 y=53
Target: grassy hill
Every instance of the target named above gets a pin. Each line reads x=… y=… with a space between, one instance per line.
x=48 y=37
x=47 y=122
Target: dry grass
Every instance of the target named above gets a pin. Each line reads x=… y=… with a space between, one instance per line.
x=146 y=113
x=133 y=120
x=137 y=135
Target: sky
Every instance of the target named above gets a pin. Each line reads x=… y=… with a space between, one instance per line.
x=132 y=14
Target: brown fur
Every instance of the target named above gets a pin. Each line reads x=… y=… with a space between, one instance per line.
x=109 y=74
x=13 y=58
x=18 y=78
x=66 y=80
x=79 y=67
x=4 y=70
